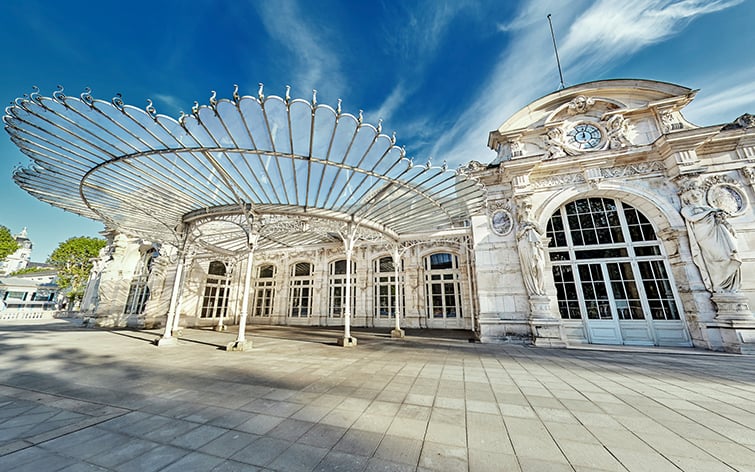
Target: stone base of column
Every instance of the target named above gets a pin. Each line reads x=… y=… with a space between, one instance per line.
x=732 y=306
x=397 y=333
x=221 y=328
x=547 y=333
x=347 y=341
x=163 y=341
x=238 y=346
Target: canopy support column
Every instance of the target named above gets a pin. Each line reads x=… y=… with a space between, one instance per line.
x=397 y=332
x=347 y=340
x=241 y=343
x=228 y=275
x=172 y=321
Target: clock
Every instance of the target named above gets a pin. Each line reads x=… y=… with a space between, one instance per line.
x=584 y=136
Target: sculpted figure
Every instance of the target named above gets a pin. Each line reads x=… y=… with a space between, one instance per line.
x=713 y=243
x=617 y=129
x=554 y=144
x=531 y=254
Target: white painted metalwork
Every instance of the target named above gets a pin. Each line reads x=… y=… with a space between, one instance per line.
x=265 y=161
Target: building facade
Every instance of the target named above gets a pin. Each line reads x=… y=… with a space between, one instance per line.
x=20 y=258
x=609 y=219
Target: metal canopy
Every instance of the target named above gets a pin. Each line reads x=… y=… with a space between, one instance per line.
x=272 y=161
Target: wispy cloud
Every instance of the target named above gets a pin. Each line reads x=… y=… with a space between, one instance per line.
x=734 y=96
x=599 y=36
x=416 y=40
x=170 y=101
x=315 y=64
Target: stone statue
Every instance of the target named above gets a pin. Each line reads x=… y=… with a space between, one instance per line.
x=531 y=254
x=713 y=243
x=554 y=144
x=617 y=130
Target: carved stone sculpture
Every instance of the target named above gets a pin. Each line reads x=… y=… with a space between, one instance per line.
x=713 y=243
x=531 y=254
x=554 y=144
x=617 y=131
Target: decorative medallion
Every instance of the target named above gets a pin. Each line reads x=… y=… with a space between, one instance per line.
x=501 y=222
x=727 y=198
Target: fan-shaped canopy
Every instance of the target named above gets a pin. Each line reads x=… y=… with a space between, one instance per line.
x=268 y=159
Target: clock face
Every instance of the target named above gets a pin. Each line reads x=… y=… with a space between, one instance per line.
x=584 y=136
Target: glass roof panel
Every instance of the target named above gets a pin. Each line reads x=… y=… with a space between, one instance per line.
x=145 y=173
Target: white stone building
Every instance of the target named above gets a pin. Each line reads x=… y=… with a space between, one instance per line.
x=608 y=219
x=20 y=258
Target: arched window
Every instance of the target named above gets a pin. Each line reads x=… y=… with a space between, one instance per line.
x=442 y=285
x=337 y=288
x=386 y=303
x=138 y=293
x=300 y=289
x=216 y=291
x=264 y=291
x=609 y=270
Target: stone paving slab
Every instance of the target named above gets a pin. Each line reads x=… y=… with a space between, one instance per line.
x=80 y=399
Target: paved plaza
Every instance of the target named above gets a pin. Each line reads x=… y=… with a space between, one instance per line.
x=81 y=399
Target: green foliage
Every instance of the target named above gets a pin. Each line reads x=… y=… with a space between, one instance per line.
x=8 y=244
x=73 y=258
x=28 y=270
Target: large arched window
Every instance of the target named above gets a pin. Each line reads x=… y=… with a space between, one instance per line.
x=442 y=285
x=337 y=288
x=216 y=290
x=386 y=303
x=300 y=290
x=264 y=291
x=138 y=293
x=609 y=270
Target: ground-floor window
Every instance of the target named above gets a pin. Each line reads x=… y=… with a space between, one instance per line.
x=300 y=290
x=609 y=271
x=216 y=291
x=138 y=293
x=337 y=288
x=442 y=277
x=386 y=301
x=264 y=291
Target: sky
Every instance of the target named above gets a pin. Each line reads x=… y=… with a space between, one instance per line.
x=442 y=74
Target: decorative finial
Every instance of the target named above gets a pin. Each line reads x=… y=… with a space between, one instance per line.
x=380 y=126
x=213 y=99
x=260 y=93
x=150 y=109
x=444 y=166
x=236 y=93
x=86 y=96
x=411 y=162
x=35 y=94
x=314 y=97
x=58 y=94
x=181 y=117
x=429 y=163
x=360 y=118
x=195 y=108
x=288 y=93
x=338 y=108
x=118 y=101
x=403 y=151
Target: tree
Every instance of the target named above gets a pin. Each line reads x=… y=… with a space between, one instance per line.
x=73 y=258
x=8 y=244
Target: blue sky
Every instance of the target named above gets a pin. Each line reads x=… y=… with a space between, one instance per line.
x=442 y=74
